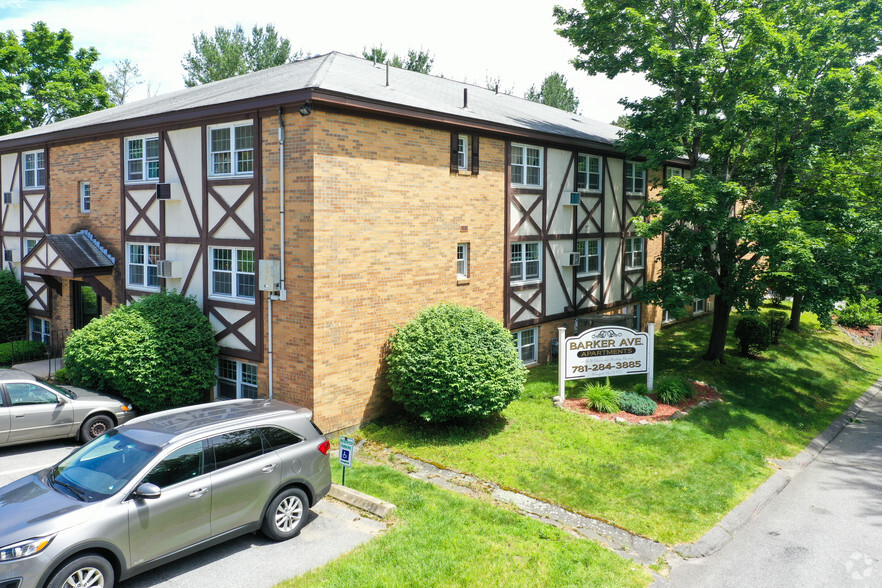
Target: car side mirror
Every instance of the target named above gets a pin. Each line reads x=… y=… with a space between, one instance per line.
x=147 y=491
x=62 y=399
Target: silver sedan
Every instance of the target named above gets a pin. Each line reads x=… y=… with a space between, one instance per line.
x=35 y=411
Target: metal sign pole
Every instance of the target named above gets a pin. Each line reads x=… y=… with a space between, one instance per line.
x=650 y=358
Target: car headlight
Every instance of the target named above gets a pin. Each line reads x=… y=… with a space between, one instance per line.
x=25 y=548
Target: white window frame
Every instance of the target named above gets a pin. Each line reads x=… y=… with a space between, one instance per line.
x=633 y=174
x=462 y=261
x=462 y=152
x=42 y=333
x=245 y=379
x=673 y=171
x=519 y=250
x=144 y=264
x=699 y=303
x=584 y=256
x=666 y=316
x=585 y=186
x=85 y=197
x=144 y=160
x=29 y=244
x=238 y=278
x=630 y=252
x=527 y=343
x=519 y=154
x=34 y=168
x=234 y=152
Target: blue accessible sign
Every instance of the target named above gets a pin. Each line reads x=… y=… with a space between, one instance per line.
x=347 y=448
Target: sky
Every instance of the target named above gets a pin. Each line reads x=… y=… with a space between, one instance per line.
x=471 y=41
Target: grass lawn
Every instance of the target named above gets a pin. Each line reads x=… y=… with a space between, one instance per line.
x=443 y=539
x=671 y=482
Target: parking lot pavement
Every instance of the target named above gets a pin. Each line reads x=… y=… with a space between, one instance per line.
x=332 y=530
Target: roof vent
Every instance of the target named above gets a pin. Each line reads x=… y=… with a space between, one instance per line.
x=387 y=73
x=465 y=97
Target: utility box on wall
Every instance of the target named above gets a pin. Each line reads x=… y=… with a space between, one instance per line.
x=269 y=275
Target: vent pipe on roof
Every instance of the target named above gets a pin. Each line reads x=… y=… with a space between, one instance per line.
x=387 y=73
x=465 y=97
x=497 y=87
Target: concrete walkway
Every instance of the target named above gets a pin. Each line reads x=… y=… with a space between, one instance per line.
x=816 y=522
x=42 y=369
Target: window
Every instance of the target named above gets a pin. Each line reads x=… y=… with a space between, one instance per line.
x=635 y=179
x=231 y=150
x=462 y=152
x=633 y=253
x=526 y=165
x=233 y=448
x=22 y=394
x=674 y=171
x=588 y=174
x=34 y=169
x=142 y=159
x=181 y=465
x=462 y=260
x=85 y=197
x=39 y=330
x=589 y=256
x=29 y=244
x=232 y=273
x=278 y=438
x=142 y=270
x=236 y=379
x=525 y=264
x=525 y=341
x=699 y=305
x=666 y=316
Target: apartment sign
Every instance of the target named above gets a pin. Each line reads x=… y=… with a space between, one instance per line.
x=606 y=351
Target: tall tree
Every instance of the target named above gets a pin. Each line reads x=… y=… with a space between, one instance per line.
x=416 y=60
x=231 y=52
x=44 y=80
x=124 y=78
x=554 y=91
x=721 y=69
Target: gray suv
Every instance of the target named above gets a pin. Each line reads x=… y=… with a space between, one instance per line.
x=160 y=487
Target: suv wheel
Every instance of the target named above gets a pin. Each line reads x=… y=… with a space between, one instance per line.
x=286 y=514
x=85 y=571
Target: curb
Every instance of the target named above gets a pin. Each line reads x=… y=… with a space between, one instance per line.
x=722 y=533
x=375 y=506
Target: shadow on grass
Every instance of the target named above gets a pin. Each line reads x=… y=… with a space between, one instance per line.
x=462 y=432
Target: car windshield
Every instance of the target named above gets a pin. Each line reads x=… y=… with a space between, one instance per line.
x=100 y=468
x=67 y=393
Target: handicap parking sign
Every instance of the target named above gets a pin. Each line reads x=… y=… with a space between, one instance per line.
x=347 y=445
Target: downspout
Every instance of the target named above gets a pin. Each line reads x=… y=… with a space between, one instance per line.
x=281 y=295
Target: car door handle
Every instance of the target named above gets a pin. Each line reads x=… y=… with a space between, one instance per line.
x=269 y=468
x=198 y=493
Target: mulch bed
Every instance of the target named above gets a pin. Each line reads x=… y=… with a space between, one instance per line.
x=665 y=412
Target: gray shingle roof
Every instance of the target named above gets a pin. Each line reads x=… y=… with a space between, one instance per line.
x=346 y=76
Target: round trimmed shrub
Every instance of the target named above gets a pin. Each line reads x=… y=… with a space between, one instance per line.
x=753 y=336
x=634 y=403
x=13 y=307
x=860 y=313
x=454 y=362
x=159 y=352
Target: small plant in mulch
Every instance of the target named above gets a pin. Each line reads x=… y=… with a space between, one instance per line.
x=673 y=390
x=635 y=404
x=699 y=392
x=601 y=397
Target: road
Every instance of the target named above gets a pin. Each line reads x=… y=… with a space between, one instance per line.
x=332 y=530
x=823 y=529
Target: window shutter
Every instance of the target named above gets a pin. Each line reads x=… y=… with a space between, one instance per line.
x=454 y=153
x=475 y=154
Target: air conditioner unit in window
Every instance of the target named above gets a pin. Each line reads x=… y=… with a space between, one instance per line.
x=10 y=198
x=575 y=199
x=572 y=259
x=167 y=269
x=163 y=192
x=11 y=255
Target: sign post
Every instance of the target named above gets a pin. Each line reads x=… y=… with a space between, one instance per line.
x=347 y=448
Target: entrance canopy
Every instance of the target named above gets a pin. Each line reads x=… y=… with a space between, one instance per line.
x=69 y=256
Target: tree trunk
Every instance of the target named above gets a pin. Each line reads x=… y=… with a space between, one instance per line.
x=795 y=312
x=716 y=346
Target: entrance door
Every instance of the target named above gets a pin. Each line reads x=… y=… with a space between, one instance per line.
x=85 y=302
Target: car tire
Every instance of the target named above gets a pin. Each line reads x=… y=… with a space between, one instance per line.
x=285 y=515
x=88 y=570
x=95 y=427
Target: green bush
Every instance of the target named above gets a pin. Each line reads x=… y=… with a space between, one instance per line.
x=454 y=362
x=13 y=307
x=753 y=336
x=159 y=352
x=860 y=314
x=601 y=397
x=777 y=322
x=673 y=390
x=19 y=351
x=634 y=403
x=61 y=376
x=641 y=389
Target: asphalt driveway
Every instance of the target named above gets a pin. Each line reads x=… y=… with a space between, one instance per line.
x=332 y=530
